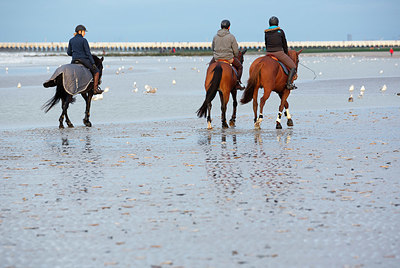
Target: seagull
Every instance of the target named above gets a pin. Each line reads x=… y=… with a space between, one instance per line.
x=362 y=89
x=150 y=89
x=361 y=94
x=19 y=85
x=173 y=82
x=351 y=98
x=383 y=89
x=351 y=89
x=97 y=97
x=135 y=89
x=106 y=89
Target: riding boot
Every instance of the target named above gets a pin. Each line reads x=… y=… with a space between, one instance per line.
x=289 y=84
x=239 y=69
x=96 y=89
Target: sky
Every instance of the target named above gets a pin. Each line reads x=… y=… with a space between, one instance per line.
x=197 y=21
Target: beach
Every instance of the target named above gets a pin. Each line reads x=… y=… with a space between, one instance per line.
x=149 y=186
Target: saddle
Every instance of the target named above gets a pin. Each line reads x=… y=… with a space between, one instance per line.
x=284 y=68
x=233 y=67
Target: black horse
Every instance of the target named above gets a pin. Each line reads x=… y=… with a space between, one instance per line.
x=67 y=98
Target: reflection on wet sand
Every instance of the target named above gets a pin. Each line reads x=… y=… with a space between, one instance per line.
x=265 y=164
x=78 y=161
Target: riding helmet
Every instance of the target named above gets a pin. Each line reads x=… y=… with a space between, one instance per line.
x=273 y=21
x=225 y=24
x=80 y=27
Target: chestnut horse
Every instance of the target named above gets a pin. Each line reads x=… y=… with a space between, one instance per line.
x=265 y=72
x=220 y=78
x=66 y=98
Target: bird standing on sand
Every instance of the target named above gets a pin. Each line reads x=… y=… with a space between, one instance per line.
x=383 y=89
x=350 y=98
x=135 y=89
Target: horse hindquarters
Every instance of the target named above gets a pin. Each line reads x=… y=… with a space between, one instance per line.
x=59 y=94
x=253 y=83
x=211 y=92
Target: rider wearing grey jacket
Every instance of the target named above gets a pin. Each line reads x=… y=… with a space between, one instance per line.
x=225 y=47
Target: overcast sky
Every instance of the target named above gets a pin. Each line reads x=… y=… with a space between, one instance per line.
x=178 y=20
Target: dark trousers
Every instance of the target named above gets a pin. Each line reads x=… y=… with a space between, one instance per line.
x=85 y=62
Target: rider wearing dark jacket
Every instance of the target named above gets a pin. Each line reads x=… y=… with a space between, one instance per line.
x=276 y=45
x=78 y=48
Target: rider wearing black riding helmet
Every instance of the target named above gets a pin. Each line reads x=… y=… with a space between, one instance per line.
x=225 y=47
x=276 y=45
x=78 y=48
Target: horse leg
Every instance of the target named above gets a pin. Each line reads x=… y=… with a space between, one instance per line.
x=288 y=115
x=255 y=108
x=88 y=99
x=283 y=97
x=223 y=110
x=61 y=119
x=209 y=116
x=67 y=102
x=263 y=99
x=233 y=119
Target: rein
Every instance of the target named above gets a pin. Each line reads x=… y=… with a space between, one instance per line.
x=315 y=75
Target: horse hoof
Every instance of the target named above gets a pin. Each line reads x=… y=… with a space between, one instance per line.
x=278 y=125
x=290 y=123
x=225 y=125
x=87 y=123
x=232 y=123
x=61 y=126
x=257 y=125
x=70 y=125
x=209 y=125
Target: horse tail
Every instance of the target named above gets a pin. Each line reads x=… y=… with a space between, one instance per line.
x=60 y=94
x=211 y=91
x=252 y=84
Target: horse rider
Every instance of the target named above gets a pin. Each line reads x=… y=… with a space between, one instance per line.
x=276 y=45
x=78 y=48
x=226 y=48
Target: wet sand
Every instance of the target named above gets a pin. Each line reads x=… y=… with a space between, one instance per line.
x=324 y=193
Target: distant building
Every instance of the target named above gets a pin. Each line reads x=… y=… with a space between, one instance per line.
x=349 y=37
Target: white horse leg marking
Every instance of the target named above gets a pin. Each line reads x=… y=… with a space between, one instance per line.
x=288 y=114
x=278 y=119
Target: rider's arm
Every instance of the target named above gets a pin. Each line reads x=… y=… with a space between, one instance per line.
x=69 y=50
x=235 y=47
x=284 y=42
x=86 y=49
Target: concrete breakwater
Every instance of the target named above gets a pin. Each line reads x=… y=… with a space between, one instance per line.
x=185 y=46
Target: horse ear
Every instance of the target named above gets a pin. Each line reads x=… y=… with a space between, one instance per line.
x=102 y=58
x=301 y=50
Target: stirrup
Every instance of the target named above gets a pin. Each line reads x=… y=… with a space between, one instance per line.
x=97 y=91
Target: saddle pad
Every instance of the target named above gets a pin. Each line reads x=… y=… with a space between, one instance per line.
x=233 y=67
x=76 y=77
x=285 y=69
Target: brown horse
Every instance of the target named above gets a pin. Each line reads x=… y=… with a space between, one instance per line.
x=220 y=78
x=265 y=72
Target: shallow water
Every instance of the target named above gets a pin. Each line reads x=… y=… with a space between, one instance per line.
x=20 y=107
